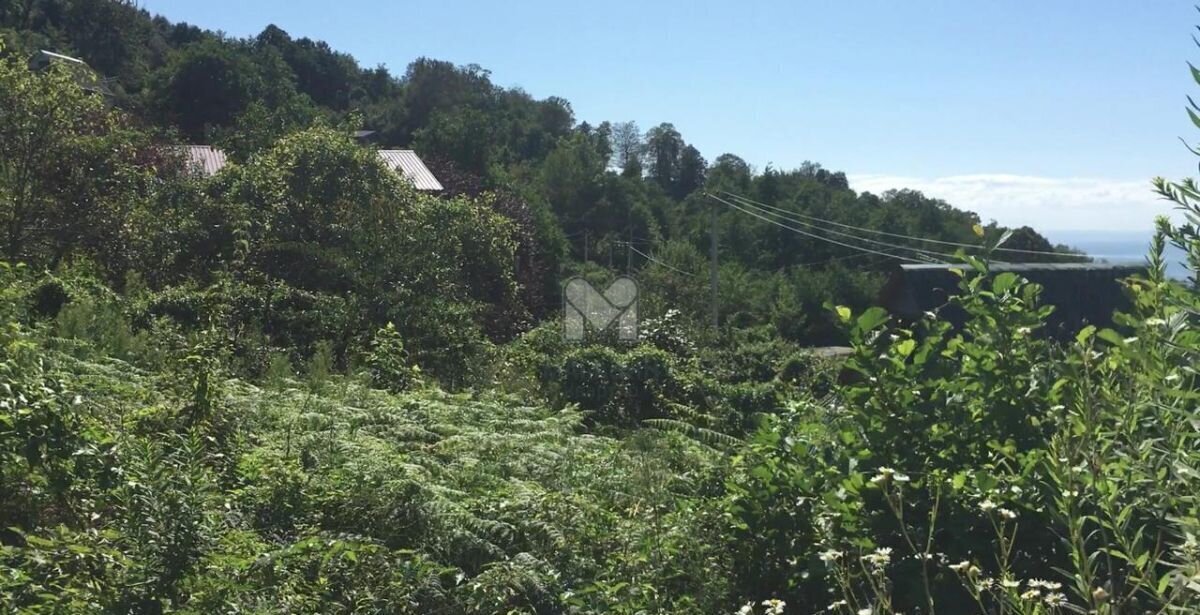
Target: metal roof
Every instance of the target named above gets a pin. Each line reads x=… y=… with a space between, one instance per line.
x=1081 y=293
x=1024 y=267
x=43 y=58
x=406 y=162
x=204 y=159
x=208 y=160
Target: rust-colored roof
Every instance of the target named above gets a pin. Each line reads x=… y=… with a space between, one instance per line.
x=204 y=159
x=406 y=162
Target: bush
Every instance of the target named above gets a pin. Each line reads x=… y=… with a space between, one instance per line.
x=387 y=362
x=594 y=379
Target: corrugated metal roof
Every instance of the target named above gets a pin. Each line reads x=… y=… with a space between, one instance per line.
x=209 y=160
x=406 y=162
x=204 y=159
x=1081 y=293
x=1022 y=267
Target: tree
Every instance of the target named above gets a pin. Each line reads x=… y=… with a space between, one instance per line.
x=692 y=169
x=730 y=172
x=205 y=85
x=626 y=146
x=70 y=167
x=664 y=145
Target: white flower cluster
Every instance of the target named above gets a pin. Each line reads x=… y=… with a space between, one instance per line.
x=1044 y=591
x=880 y=558
x=774 y=606
x=830 y=556
x=885 y=475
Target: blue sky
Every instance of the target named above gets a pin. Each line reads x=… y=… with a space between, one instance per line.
x=1051 y=113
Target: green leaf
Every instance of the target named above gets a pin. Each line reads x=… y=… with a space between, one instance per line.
x=843 y=313
x=872 y=319
x=1112 y=337
x=1085 y=334
x=1004 y=282
x=906 y=347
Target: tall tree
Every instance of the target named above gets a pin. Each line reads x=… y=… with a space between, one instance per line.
x=69 y=166
x=664 y=145
x=627 y=146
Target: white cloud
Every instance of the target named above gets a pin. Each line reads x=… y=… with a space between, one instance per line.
x=1045 y=203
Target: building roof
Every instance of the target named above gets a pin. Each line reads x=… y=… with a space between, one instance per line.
x=1081 y=293
x=996 y=267
x=44 y=58
x=204 y=159
x=88 y=79
x=208 y=160
x=406 y=162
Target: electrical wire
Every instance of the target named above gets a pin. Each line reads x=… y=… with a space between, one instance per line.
x=748 y=201
x=922 y=251
x=814 y=235
x=658 y=262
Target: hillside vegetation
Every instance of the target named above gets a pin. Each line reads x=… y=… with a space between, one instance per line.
x=303 y=386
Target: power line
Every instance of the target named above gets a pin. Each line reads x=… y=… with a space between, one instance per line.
x=813 y=235
x=898 y=235
x=658 y=262
x=836 y=259
x=856 y=237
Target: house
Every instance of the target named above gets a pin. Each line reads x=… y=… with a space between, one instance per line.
x=1081 y=293
x=89 y=80
x=205 y=160
x=208 y=160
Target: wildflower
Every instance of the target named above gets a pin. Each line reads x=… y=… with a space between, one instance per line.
x=987 y=505
x=1007 y=514
x=774 y=606
x=831 y=555
x=1010 y=583
x=880 y=558
x=1099 y=595
x=901 y=478
x=1051 y=585
x=1055 y=599
x=866 y=611
x=961 y=566
x=1031 y=594
x=837 y=605
x=747 y=609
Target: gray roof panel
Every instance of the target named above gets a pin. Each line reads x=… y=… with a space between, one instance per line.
x=406 y=162
x=208 y=160
x=204 y=159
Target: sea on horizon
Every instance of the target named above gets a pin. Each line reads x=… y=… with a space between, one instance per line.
x=1118 y=247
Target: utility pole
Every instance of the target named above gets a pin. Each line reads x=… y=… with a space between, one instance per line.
x=629 y=253
x=712 y=249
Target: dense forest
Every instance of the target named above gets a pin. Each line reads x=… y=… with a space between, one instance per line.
x=302 y=385
x=586 y=198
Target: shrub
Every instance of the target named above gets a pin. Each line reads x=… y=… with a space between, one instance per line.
x=594 y=378
x=387 y=361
